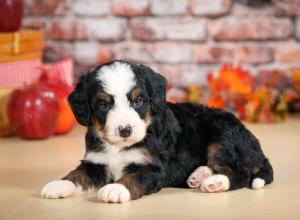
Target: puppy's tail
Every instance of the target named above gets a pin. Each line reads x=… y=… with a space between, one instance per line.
x=263 y=176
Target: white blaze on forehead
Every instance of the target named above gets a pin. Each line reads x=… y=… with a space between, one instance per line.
x=118 y=79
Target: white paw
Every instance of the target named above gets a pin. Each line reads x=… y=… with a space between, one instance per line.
x=215 y=183
x=58 y=189
x=114 y=193
x=258 y=183
x=196 y=178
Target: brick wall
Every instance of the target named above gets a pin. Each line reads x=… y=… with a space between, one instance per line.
x=183 y=39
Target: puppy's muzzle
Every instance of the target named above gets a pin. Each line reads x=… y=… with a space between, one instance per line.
x=125 y=131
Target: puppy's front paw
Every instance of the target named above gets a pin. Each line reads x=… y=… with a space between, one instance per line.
x=58 y=189
x=114 y=193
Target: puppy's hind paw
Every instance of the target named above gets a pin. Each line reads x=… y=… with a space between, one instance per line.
x=258 y=183
x=197 y=177
x=215 y=183
x=58 y=189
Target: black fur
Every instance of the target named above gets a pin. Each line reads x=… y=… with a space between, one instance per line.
x=177 y=139
x=154 y=83
x=79 y=102
x=142 y=111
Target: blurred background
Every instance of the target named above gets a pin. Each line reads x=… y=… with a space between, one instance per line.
x=242 y=56
x=239 y=55
x=183 y=39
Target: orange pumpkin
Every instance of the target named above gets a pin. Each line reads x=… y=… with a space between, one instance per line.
x=66 y=119
x=5 y=126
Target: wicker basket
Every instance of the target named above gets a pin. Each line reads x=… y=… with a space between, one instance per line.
x=22 y=45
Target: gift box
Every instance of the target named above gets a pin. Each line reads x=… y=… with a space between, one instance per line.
x=17 y=74
x=26 y=44
x=59 y=72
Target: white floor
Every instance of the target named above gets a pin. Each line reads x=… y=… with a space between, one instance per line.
x=25 y=166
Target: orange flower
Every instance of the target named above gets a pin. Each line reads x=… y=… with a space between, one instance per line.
x=217 y=102
x=231 y=79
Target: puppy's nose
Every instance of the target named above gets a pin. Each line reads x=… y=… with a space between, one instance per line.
x=125 y=131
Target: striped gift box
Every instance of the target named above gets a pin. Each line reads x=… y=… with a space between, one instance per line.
x=16 y=74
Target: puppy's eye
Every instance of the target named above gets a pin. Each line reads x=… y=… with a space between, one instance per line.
x=138 y=103
x=103 y=105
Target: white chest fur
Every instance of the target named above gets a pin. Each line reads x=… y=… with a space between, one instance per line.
x=115 y=159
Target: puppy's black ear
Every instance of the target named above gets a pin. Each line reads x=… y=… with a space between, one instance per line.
x=78 y=100
x=156 y=85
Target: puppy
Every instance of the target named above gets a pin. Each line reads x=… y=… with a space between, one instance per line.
x=137 y=143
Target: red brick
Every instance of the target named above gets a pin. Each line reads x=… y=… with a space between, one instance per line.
x=254 y=54
x=91 y=7
x=288 y=52
x=86 y=53
x=102 y=29
x=134 y=51
x=288 y=7
x=68 y=29
x=297 y=27
x=273 y=76
x=167 y=71
x=169 y=52
x=251 y=29
x=169 y=7
x=194 y=75
x=106 y=54
x=212 y=54
x=46 y=7
x=31 y=22
x=168 y=28
x=131 y=7
x=106 y=29
x=80 y=69
x=210 y=8
x=266 y=10
x=55 y=51
x=183 y=75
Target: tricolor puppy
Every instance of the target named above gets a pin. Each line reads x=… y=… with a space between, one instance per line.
x=137 y=143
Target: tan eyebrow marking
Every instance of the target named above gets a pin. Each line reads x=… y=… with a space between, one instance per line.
x=135 y=93
x=104 y=96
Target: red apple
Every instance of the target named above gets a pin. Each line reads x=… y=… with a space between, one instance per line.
x=33 y=112
x=11 y=15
